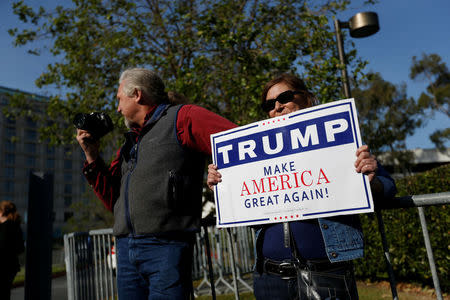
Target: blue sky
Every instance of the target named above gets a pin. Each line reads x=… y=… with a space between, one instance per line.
x=407 y=28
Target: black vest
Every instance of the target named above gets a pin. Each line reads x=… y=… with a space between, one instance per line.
x=161 y=184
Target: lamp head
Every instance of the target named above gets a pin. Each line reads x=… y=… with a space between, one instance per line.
x=363 y=24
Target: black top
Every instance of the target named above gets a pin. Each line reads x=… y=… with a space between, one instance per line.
x=11 y=245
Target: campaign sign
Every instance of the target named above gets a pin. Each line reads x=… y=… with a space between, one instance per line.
x=294 y=167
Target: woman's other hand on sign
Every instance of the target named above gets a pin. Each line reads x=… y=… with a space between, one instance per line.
x=214 y=177
x=366 y=162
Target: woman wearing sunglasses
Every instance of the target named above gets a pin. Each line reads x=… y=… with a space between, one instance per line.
x=316 y=260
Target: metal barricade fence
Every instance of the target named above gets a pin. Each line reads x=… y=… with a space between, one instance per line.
x=220 y=242
x=90 y=265
x=419 y=201
x=90 y=262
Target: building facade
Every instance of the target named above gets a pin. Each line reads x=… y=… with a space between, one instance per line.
x=422 y=160
x=22 y=151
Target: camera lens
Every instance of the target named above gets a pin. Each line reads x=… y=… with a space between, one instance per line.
x=79 y=120
x=96 y=123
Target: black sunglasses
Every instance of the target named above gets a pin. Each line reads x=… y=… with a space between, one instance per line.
x=283 y=98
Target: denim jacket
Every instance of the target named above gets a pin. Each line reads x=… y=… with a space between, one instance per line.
x=342 y=235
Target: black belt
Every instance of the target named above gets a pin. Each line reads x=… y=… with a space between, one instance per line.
x=287 y=269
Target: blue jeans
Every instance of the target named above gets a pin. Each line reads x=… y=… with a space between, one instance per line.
x=154 y=267
x=272 y=287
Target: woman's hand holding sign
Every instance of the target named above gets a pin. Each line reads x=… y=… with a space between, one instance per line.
x=366 y=162
x=214 y=177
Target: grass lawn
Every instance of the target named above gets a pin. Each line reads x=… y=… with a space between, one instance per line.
x=20 y=277
x=367 y=291
x=382 y=290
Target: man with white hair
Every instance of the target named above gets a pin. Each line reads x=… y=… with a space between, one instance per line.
x=153 y=186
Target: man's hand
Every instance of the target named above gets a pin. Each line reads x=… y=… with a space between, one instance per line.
x=366 y=163
x=89 y=145
x=214 y=177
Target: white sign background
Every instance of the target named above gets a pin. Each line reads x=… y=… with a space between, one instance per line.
x=314 y=182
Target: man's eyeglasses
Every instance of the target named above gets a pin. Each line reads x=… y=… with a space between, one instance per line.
x=283 y=98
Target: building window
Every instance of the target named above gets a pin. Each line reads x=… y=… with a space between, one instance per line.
x=67 y=215
x=67 y=164
x=10 y=132
x=8 y=186
x=50 y=150
x=40 y=108
x=30 y=135
x=30 y=148
x=67 y=189
x=9 y=172
x=31 y=161
x=68 y=151
x=10 y=158
x=31 y=123
x=83 y=155
x=10 y=121
x=67 y=177
x=10 y=146
x=7 y=197
x=67 y=201
x=50 y=163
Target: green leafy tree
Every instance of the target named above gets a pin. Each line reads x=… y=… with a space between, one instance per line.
x=88 y=215
x=219 y=53
x=432 y=70
x=387 y=116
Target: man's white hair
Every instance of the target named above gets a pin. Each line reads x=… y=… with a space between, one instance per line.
x=146 y=81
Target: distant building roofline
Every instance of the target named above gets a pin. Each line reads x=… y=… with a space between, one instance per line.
x=434 y=155
x=426 y=156
x=6 y=90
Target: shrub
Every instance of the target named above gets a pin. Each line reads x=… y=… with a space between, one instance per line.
x=405 y=237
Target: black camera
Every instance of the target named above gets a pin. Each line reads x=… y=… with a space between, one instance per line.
x=96 y=123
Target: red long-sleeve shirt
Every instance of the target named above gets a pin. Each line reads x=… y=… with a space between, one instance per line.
x=194 y=127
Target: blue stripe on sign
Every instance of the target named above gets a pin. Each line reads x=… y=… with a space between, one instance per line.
x=323 y=132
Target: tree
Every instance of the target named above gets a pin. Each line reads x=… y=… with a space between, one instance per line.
x=218 y=53
x=88 y=215
x=386 y=117
x=437 y=96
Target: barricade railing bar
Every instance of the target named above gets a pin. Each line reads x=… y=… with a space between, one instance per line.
x=419 y=201
x=221 y=257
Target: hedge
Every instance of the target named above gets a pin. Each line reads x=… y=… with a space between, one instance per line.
x=405 y=237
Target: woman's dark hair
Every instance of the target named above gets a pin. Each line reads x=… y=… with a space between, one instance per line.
x=9 y=210
x=294 y=82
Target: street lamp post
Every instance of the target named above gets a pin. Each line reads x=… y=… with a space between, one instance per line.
x=360 y=25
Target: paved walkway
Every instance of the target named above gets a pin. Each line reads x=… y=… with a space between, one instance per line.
x=59 y=290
